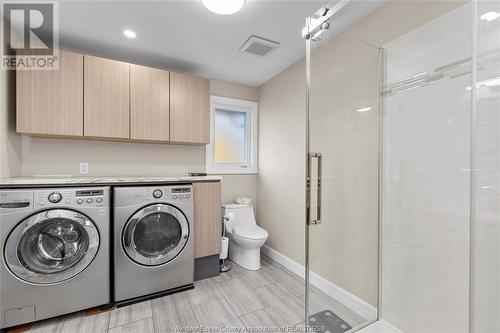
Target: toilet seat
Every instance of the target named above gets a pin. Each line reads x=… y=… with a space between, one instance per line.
x=250 y=232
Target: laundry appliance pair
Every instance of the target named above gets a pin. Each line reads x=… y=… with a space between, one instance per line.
x=60 y=249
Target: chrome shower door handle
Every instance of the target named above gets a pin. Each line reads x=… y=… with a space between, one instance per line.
x=318 y=204
x=317 y=220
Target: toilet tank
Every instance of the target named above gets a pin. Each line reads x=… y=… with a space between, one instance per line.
x=235 y=214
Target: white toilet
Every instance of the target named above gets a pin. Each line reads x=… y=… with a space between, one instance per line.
x=245 y=236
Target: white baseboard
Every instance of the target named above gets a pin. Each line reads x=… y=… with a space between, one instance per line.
x=353 y=302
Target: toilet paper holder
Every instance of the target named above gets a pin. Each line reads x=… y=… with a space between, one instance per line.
x=224 y=267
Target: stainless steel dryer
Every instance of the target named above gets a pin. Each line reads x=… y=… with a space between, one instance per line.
x=153 y=241
x=55 y=245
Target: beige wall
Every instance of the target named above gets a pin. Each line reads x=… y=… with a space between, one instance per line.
x=238 y=186
x=281 y=160
x=397 y=17
x=234 y=90
x=10 y=142
x=47 y=156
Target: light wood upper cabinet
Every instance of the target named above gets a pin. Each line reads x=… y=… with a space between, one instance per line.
x=189 y=109
x=106 y=98
x=51 y=102
x=102 y=98
x=149 y=103
x=207 y=219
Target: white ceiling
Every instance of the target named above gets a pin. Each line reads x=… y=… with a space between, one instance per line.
x=185 y=36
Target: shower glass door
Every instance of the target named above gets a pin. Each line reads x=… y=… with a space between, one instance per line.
x=342 y=227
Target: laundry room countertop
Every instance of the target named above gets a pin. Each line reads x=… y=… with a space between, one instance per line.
x=71 y=181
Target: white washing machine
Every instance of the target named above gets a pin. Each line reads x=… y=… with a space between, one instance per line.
x=153 y=241
x=55 y=249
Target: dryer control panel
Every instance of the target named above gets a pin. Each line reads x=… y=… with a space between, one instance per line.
x=81 y=197
x=171 y=193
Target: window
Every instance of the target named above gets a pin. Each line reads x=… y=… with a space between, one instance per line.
x=233 y=136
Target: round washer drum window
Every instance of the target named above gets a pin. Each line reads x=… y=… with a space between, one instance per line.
x=51 y=246
x=155 y=235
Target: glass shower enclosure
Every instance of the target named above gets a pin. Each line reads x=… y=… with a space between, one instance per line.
x=343 y=149
x=403 y=171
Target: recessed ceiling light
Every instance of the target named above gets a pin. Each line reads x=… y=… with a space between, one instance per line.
x=223 y=7
x=490 y=16
x=364 y=109
x=129 y=33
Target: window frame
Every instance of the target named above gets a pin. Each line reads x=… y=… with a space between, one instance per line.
x=251 y=137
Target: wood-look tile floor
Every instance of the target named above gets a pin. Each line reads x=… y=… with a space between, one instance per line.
x=261 y=301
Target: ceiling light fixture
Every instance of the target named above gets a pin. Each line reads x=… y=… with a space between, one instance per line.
x=129 y=33
x=223 y=7
x=490 y=16
x=364 y=109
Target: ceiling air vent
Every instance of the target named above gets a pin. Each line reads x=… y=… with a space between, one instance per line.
x=259 y=46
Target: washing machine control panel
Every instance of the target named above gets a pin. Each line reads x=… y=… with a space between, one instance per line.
x=178 y=193
x=64 y=197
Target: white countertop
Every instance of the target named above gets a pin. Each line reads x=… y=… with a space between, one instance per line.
x=101 y=180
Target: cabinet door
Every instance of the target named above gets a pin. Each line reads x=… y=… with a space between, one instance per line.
x=51 y=102
x=189 y=109
x=106 y=98
x=207 y=219
x=149 y=103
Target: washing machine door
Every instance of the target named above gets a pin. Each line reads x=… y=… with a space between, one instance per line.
x=155 y=235
x=51 y=246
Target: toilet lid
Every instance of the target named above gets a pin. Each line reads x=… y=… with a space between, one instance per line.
x=250 y=231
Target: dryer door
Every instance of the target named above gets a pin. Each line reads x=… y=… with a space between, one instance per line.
x=155 y=235
x=51 y=246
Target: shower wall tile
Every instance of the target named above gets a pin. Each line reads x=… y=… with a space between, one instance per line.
x=486 y=245
x=443 y=41
x=426 y=188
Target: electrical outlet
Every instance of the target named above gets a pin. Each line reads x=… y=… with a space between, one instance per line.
x=84 y=168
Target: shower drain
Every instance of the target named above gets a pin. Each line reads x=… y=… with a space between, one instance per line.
x=328 y=322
